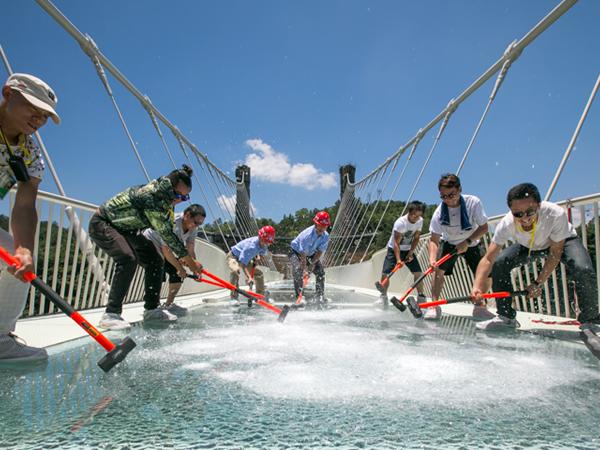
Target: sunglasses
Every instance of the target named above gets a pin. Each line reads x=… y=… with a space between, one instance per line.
x=182 y=197
x=449 y=196
x=528 y=213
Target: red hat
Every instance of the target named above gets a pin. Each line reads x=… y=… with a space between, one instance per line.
x=267 y=234
x=322 y=218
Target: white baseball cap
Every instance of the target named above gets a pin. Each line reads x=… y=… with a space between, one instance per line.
x=36 y=92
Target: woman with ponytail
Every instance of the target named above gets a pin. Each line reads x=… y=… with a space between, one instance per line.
x=116 y=228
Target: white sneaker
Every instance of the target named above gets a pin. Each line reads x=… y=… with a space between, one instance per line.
x=434 y=313
x=498 y=323
x=14 y=349
x=173 y=308
x=113 y=321
x=159 y=315
x=234 y=302
x=481 y=312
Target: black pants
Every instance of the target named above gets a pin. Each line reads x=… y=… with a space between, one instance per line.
x=128 y=250
x=579 y=269
x=472 y=257
x=169 y=269
x=298 y=275
x=390 y=262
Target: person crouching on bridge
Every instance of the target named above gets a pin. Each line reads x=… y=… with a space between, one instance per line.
x=460 y=221
x=539 y=229
x=243 y=256
x=186 y=228
x=116 y=229
x=306 y=251
x=401 y=247
x=27 y=103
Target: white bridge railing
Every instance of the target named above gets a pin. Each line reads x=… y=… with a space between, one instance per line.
x=558 y=297
x=63 y=262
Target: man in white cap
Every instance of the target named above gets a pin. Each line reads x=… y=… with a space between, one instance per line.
x=27 y=103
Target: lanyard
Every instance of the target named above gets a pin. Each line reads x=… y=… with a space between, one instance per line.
x=21 y=144
x=532 y=239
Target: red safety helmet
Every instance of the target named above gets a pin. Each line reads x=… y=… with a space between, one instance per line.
x=267 y=234
x=322 y=218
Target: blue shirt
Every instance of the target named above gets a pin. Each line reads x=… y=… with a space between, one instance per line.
x=247 y=249
x=309 y=242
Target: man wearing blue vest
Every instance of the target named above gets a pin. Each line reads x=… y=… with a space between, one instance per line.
x=242 y=256
x=306 y=251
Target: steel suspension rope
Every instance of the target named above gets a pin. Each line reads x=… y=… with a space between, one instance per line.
x=377 y=202
x=339 y=220
x=202 y=192
x=224 y=199
x=412 y=152
x=449 y=111
x=360 y=207
x=376 y=179
x=102 y=75
x=158 y=131
x=347 y=234
x=511 y=56
x=168 y=150
x=573 y=139
x=206 y=168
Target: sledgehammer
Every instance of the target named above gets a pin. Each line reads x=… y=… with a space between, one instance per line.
x=116 y=353
x=416 y=308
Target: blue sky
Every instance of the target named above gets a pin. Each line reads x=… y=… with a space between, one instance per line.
x=317 y=84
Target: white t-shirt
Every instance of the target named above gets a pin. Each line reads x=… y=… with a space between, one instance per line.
x=552 y=224
x=407 y=229
x=31 y=155
x=187 y=237
x=453 y=233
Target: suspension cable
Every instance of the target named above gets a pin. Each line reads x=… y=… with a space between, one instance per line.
x=412 y=152
x=339 y=221
x=346 y=231
x=573 y=139
x=449 y=110
x=379 y=178
x=224 y=199
x=377 y=202
x=157 y=128
x=202 y=192
x=531 y=35
x=104 y=79
x=511 y=56
x=210 y=176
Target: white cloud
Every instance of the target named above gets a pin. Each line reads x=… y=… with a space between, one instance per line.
x=270 y=165
x=228 y=204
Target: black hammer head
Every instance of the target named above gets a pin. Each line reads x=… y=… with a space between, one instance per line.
x=414 y=307
x=398 y=304
x=284 y=312
x=117 y=354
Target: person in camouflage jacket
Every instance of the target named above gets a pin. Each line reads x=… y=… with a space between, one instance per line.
x=116 y=229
